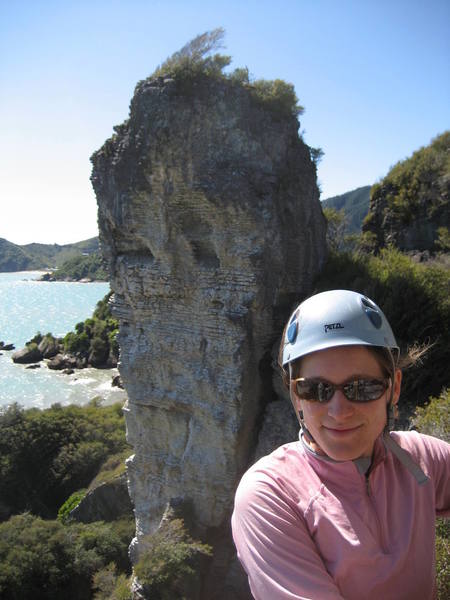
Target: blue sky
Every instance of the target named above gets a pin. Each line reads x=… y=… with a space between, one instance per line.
x=371 y=74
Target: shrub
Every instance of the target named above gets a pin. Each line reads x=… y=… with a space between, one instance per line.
x=45 y=560
x=443 y=558
x=109 y=585
x=166 y=568
x=434 y=417
x=72 y=501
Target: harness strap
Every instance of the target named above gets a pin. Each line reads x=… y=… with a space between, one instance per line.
x=405 y=459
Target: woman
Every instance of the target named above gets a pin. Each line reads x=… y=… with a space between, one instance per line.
x=349 y=510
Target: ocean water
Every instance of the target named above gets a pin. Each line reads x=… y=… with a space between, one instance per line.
x=28 y=306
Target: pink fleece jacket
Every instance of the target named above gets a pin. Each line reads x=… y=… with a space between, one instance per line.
x=307 y=528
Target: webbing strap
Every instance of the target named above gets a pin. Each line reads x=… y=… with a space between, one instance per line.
x=405 y=459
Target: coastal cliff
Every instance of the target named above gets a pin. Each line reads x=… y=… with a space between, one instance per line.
x=210 y=223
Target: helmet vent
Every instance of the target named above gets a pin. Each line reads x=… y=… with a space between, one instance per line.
x=374 y=317
x=292 y=332
x=372 y=311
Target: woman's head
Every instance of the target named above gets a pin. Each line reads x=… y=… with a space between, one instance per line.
x=332 y=339
x=343 y=394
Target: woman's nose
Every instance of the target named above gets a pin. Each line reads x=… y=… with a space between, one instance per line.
x=339 y=407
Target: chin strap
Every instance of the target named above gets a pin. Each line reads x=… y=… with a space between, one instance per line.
x=304 y=431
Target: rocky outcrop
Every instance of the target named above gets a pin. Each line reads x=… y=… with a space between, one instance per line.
x=211 y=225
x=106 y=502
x=412 y=203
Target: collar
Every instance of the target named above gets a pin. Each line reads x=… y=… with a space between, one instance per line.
x=364 y=464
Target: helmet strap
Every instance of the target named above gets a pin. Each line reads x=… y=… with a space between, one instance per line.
x=299 y=414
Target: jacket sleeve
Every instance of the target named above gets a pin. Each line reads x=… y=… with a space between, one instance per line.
x=433 y=455
x=275 y=547
x=439 y=452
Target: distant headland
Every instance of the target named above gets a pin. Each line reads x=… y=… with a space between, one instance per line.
x=81 y=261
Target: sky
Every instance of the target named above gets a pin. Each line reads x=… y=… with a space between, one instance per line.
x=372 y=75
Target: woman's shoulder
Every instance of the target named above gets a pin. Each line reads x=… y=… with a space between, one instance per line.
x=413 y=440
x=284 y=472
x=426 y=449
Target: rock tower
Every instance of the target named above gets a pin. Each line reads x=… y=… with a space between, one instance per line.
x=210 y=222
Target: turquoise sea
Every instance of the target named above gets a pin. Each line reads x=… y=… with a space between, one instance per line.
x=28 y=306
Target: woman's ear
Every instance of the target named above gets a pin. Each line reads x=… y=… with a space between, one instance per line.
x=397 y=385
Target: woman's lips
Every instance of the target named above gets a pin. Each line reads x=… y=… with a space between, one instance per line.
x=341 y=431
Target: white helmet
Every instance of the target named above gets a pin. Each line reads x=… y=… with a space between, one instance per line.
x=335 y=318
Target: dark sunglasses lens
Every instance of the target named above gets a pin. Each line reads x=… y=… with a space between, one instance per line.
x=370 y=390
x=307 y=390
x=324 y=391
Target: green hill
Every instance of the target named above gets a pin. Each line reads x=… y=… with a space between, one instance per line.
x=42 y=256
x=355 y=205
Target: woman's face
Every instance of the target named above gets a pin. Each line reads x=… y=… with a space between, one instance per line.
x=342 y=429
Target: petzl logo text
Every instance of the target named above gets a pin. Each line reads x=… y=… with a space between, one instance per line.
x=331 y=326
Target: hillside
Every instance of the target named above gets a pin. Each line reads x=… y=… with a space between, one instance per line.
x=41 y=256
x=410 y=207
x=355 y=205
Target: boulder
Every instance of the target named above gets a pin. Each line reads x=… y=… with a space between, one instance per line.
x=107 y=502
x=29 y=354
x=8 y=347
x=61 y=362
x=49 y=346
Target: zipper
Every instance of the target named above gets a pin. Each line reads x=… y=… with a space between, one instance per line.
x=377 y=519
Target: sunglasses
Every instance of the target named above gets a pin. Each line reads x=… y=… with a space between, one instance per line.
x=359 y=390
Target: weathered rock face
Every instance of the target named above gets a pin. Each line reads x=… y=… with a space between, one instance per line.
x=210 y=222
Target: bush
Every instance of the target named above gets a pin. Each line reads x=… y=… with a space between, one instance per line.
x=109 y=585
x=434 y=417
x=47 y=455
x=96 y=337
x=443 y=558
x=166 y=568
x=45 y=560
x=72 y=501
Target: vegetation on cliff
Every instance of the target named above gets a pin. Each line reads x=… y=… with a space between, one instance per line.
x=413 y=200
x=95 y=339
x=198 y=59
